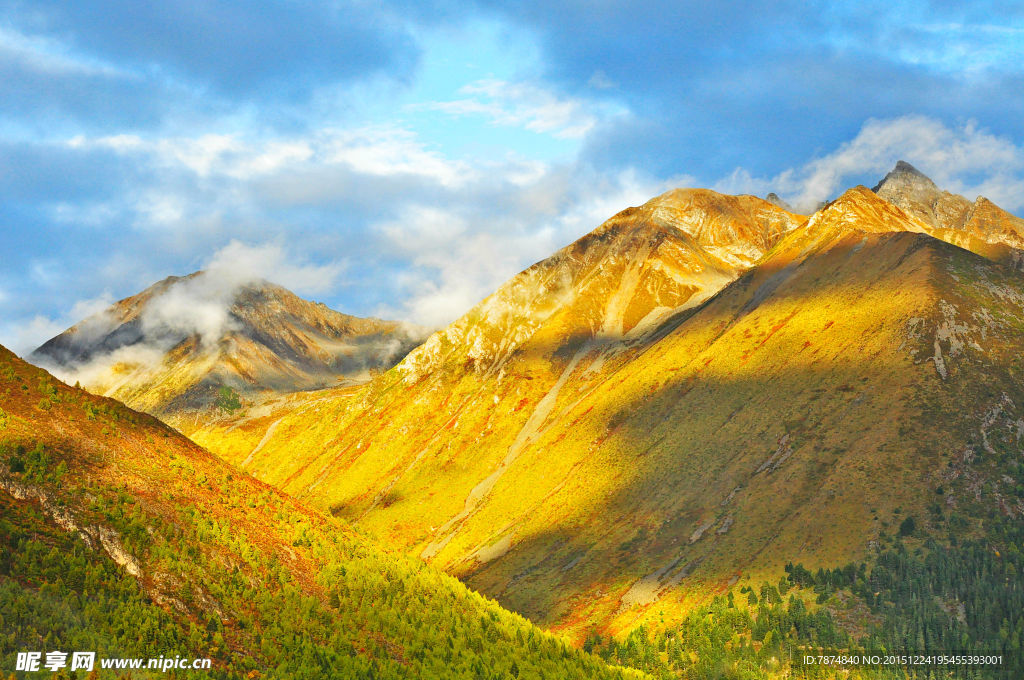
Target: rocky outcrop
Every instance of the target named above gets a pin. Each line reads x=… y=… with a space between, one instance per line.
x=94 y=535
x=949 y=216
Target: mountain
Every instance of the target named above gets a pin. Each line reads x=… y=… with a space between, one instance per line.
x=122 y=537
x=776 y=200
x=952 y=217
x=186 y=344
x=606 y=290
x=697 y=393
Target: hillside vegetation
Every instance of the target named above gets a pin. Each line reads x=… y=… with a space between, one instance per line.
x=122 y=537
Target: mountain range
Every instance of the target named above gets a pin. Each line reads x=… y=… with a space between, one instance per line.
x=706 y=398
x=702 y=389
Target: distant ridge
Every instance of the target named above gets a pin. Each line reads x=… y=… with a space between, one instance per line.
x=774 y=199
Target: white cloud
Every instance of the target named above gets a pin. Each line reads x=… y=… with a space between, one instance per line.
x=201 y=305
x=50 y=56
x=238 y=264
x=86 y=308
x=389 y=151
x=86 y=214
x=24 y=335
x=379 y=150
x=199 y=191
x=456 y=259
x=159 y=209
x=954 y=157
x=964 y=48
x=527 y=106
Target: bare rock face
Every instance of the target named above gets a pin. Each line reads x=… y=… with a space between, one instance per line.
x=910 y=190
x=94 y=535
x=776 y=200
x=635 y=270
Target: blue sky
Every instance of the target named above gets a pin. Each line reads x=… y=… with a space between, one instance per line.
x=402 y=159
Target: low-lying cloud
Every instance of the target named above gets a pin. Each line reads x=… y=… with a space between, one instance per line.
x=201 y=305
x=198 y=306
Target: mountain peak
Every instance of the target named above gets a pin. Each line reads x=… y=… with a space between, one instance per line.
x=778 y=201
x=859 y=208
x=740 y=228
x=905 y=175
x=905 y=167
x=168 y=349
x=858 y=195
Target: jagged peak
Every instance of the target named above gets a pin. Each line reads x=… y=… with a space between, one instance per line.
x=778 y=201
x=905 y=167
x=905 y=173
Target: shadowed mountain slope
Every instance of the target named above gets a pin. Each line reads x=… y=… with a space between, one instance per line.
x=171 y=349
x=122 y=537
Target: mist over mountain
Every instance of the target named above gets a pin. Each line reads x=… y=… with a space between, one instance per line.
x=172 y=348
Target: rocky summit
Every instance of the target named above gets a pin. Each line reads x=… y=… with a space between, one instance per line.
x=952 y=217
